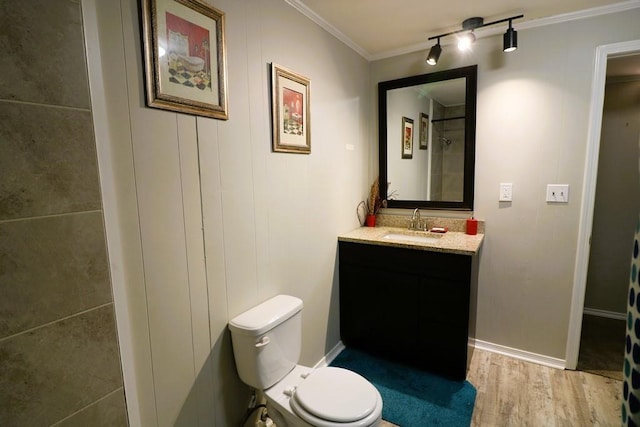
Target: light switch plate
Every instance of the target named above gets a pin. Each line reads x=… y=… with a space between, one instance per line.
x=506 y=192
x=558 y=193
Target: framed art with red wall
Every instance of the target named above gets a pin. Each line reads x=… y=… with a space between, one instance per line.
x=407 y=138
x=290 y=111
x=185 y=57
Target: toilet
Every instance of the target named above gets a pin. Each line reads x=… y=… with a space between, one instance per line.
x=266 y=345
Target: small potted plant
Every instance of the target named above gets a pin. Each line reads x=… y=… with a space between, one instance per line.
x=374 y=203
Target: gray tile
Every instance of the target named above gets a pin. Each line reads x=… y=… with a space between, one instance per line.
x=43 y=57
x=108 y=412
x=51 y=372
x=50 y=268
x=48 y=161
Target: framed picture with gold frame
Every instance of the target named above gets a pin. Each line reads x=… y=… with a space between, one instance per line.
x=290 y=111
x=407 y=138
x=424 y=131
x=185 y=57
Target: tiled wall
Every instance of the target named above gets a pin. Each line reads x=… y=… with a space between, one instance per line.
x=447 y=161
x=59 y=357
x=436 y=152
x=453 y=155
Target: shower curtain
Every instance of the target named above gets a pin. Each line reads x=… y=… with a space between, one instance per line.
x=631 y=368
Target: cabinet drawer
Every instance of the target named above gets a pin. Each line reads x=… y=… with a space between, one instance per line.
x=433 y=264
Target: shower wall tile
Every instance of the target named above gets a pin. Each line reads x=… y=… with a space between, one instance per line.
x=107 y=412
x=51 y=372
x=48 y=161
x=453 y=163
x=454 y=111
x=43 y=58
x=51 y=268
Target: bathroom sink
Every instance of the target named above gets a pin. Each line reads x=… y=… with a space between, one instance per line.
x=414 y=238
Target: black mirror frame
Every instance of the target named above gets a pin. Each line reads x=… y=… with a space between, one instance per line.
x=470 y=73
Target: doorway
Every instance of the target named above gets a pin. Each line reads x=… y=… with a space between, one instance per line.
x=587 y=224
x=614 y=219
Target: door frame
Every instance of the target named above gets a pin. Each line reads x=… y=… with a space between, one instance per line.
x=603 y=53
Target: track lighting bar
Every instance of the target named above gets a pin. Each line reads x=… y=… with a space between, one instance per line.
x=513 y=18
x=510 y=39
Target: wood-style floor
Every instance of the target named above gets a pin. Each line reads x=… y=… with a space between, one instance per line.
x=511 y=392
x=602 y=345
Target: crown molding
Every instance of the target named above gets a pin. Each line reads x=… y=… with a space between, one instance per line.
x=302 y=8
x=582 y=14
x=535 y=23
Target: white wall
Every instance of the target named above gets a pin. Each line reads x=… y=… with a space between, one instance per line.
x=204 y=221
x=533 y=112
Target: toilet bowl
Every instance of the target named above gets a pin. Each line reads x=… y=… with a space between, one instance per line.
x=324 y=397
x=266 y=346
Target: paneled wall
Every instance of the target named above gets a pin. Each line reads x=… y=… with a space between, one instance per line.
x=59 y=358
x=204 y=221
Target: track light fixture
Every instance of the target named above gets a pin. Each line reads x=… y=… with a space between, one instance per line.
x=510 y=39
x=434 y=53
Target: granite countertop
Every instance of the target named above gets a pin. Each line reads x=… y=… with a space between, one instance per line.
x=451 y=242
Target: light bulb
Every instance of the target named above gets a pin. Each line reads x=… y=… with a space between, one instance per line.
x=465 y=41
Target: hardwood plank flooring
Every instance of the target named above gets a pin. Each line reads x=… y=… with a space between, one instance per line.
x=512 y=392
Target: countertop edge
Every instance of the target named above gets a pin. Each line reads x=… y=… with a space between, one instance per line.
x=450 y=242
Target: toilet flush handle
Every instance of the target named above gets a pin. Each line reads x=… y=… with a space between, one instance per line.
x=263 y=341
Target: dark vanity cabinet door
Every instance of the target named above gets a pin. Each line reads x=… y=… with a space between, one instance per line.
x=406 y=305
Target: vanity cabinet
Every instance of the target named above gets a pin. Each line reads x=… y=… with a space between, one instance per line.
x=408 y=305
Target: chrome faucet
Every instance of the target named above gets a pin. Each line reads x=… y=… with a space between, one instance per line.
x=416 y=222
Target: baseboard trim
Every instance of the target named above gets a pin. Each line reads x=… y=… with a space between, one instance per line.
x=605 y=313
x=333 y=353
x=527 y=356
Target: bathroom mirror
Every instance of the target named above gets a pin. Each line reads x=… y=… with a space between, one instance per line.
x=427 y=138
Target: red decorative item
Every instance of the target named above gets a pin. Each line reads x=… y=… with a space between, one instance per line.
x=472 y=226
x=371 y=220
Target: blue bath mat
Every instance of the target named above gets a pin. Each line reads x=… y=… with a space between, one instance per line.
x=413 y=398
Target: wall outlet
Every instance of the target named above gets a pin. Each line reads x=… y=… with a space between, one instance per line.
x=506 y=192
x=558 y=193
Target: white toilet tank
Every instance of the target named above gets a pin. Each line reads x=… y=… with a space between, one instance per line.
x=267 y=340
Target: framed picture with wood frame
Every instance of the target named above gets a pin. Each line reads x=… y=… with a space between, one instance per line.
x=407 y=138
x=290 y=111
x=424 y=131
x=185 y=57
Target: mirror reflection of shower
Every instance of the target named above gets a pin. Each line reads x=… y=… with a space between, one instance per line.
x=447 y=154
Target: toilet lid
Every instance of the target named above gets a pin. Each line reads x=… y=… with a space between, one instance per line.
x=336 y=394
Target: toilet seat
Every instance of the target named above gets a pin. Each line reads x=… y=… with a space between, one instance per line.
x=331 y=397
